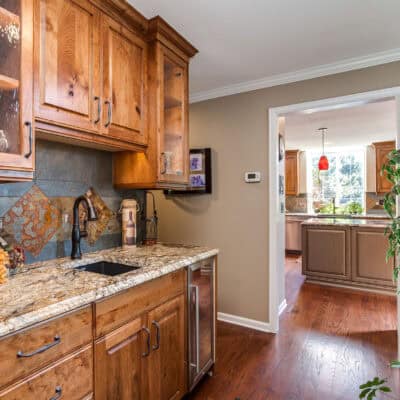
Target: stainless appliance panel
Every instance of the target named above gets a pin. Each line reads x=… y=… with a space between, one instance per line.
x=201 y=319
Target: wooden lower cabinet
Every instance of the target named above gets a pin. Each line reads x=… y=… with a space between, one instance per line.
x=368 y=263
x=144 y=359
x=70 y=378
x=167 y=361
x=353 y=256
x=326 y=252
x=118 y=364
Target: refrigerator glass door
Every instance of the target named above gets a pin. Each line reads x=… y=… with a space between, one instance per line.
x=201 y=319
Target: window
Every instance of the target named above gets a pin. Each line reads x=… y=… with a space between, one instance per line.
x=344 y=181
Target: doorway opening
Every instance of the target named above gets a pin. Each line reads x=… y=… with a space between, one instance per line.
x=344 y=186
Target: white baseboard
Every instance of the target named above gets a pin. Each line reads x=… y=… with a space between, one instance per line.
x=282 y=306
x=248 y=323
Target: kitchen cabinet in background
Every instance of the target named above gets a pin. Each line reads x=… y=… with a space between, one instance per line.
x=295 y=172
x=17 y=151
x=382 y=149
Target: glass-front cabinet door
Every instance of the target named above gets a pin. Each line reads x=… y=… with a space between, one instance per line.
x=16 y=130
x=174 y=147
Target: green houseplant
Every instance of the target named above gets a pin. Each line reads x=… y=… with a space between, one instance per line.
x=371 y=389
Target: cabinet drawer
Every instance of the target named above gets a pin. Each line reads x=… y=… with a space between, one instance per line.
x=33 y=348
x=71 y=378
x=121 y=308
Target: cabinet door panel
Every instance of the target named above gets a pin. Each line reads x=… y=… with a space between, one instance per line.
x=369 y=264
x=174 y=145
x=118 y=364
x=382 y=150
x=125 y=59
x=292 y=173
x=68 y=64
x=16 y=58
x=167 y=362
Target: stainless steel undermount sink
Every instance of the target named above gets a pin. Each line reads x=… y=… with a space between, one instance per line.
x=107 y=268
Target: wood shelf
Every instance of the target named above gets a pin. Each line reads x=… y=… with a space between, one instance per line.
x=7 y=83
x=7 y=18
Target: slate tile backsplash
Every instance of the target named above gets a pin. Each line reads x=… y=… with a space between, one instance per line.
x=38 y=214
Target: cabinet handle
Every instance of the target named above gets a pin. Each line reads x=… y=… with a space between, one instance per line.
x=163 y=163
x=57 y=340
x=137 y=108
x=109 y=113
x=97 y=120
x=29 y=126
x=147 y=353
x=157 y=345
x=58 y=393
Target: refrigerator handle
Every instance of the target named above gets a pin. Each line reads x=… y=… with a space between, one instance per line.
x=197 y=305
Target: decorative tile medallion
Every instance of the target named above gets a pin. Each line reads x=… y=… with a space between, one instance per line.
x=32 y=220
x=96 y=228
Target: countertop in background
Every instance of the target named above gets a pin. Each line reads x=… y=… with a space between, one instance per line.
x=373 y=223
x=48 y=289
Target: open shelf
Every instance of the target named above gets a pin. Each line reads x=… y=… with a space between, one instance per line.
x=7 y=83
x=8 y=18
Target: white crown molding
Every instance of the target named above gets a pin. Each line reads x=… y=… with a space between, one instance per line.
x=246 y=322
x=300 y=75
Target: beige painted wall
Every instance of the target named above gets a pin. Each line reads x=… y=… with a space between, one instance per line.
x=235 y=217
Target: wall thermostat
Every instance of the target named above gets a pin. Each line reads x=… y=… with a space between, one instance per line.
x=252 y=177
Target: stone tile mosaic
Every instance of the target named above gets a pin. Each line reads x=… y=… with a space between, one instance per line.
x=32 y=220
x=96 y=228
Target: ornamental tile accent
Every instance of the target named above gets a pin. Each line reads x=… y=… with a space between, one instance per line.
x=32 y=220
x=96 y=228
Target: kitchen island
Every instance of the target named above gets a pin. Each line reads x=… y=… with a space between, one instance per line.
x=347 y=252
x=83 y=335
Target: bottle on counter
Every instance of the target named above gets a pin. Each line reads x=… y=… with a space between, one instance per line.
x=128 y=208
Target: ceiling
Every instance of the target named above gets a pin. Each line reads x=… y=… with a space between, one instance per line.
x=351 y=126
x=276 y=40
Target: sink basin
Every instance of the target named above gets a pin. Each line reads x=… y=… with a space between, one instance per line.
x=107 y=268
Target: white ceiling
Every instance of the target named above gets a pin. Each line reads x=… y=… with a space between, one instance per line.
x=347 y=127
x=241 y=41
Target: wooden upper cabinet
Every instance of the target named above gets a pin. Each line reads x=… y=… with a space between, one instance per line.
x=16 y=121
x=67 y=63
x=292 y=181
x=382 y=149
x=173 y=160
x=167 y=362
x=165 y=164
x=125 y=83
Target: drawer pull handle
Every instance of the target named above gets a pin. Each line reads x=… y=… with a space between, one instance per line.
x=58 y=393
x=147 y=353
x=57 y=340
x=157 y=345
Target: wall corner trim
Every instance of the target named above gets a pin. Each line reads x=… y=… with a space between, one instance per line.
x=246 y=322
x=318 y=71
x=282 y=306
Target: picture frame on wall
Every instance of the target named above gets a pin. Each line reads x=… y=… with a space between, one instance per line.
x=281 y=147
x=199 y=173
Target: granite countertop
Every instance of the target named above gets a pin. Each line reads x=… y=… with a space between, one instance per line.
x=356 y=216
x=347 y=222
x=47 y=289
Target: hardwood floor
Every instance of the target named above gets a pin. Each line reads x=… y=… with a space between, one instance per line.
x=330 y=341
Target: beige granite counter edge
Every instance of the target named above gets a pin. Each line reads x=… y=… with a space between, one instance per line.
x=15 y=324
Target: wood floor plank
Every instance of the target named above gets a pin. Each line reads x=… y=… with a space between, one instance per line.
x=330 y=341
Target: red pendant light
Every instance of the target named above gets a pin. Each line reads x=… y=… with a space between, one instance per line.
x=323 y=164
